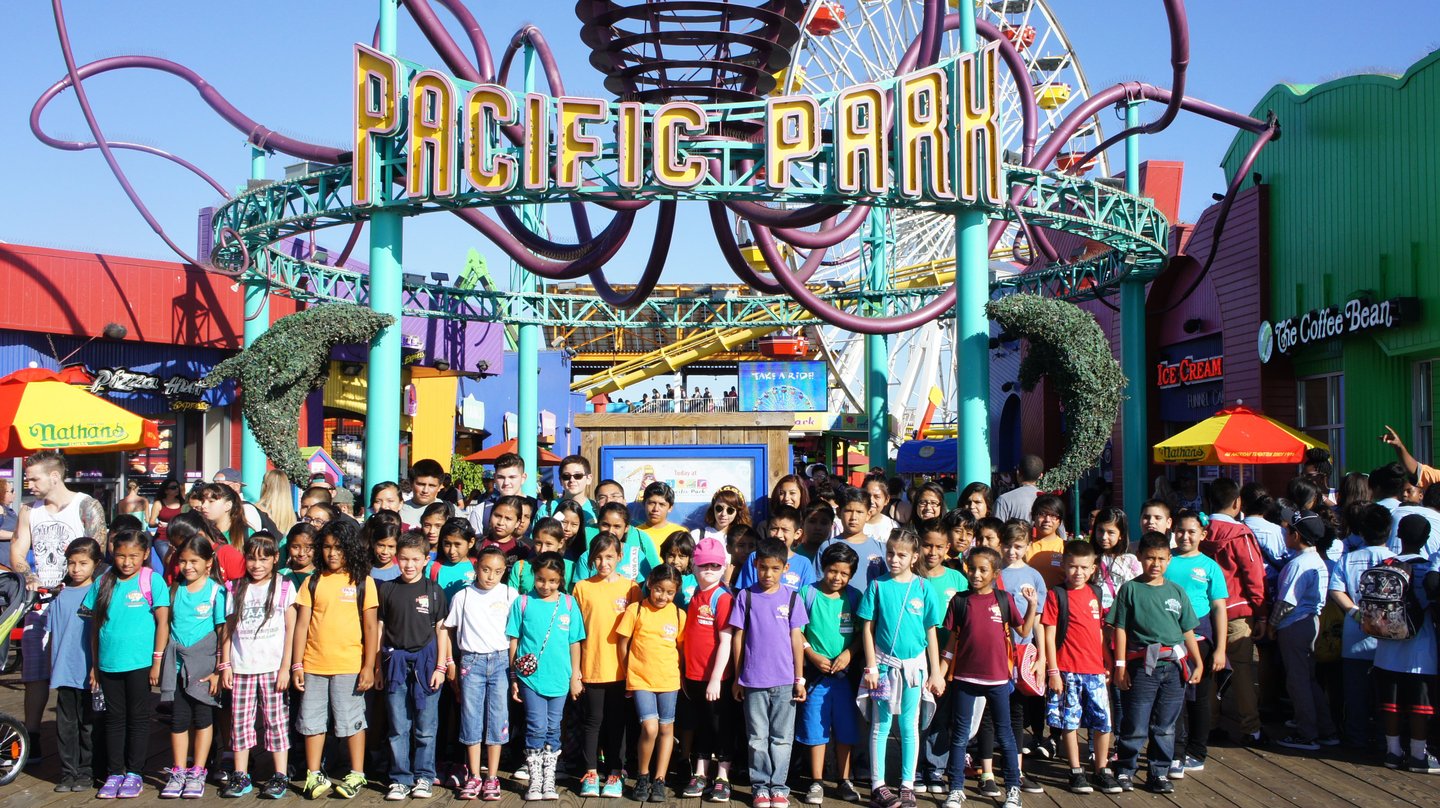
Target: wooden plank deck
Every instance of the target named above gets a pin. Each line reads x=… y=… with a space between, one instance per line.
x=1233 y=777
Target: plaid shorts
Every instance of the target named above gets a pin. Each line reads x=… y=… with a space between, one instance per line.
x=257 y=690
x=1085 y=702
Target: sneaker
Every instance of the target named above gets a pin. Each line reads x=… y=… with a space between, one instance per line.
x=112 y=787
x=1176 y=770
x=1426 y=765
x=816 y=794
x=779 y=801
x=1080 y=784
x=1257 y=741
x=222 y=776
x=721 y=791
x=131 y=787
x=694 y=788
x=937 y=786
x=456 y=776
x=522 y=774
x=397 y=792
x=990 y=788
x=350 y=785
x=276 y=787
x=1106 y=782
x=238 y=786
x=1296 y=742
x=642 y=788
x=317 y=785
x=761 y=799
x=955 y=798
x=883 y=796
x=846 y=792
x=422 y=789
x=614 y=786
x=174 y=786
x=1330 y=740
x=1160 y=784
x=1030 y=785
x=65 y=784
x=1194 y=764
x=657 y=791
x=1045 y=748
x=1392 y=761
x=1127 y=782
x=907 y=797
x=471 y=789
x=1012 y=797
x=490 y=791
x=195 y=784
x=81 y=784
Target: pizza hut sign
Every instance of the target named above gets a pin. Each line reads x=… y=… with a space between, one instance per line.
x=1332 y=322
x=177 y=389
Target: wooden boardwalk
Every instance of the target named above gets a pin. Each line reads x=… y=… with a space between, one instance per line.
x=1233 y=777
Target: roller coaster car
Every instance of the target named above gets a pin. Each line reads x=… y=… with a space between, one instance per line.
x=828 y=18
x=15 y=601
x=785 y=345
x=1068 y=161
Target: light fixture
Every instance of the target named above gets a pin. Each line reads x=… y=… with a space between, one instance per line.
x=1007 y=387
x=1192 y=325
x=1257 y=177
x=351 y=368
x=1218 y=197
x=441 y=365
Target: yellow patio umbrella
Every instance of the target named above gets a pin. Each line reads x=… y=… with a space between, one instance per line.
x=39 y=410
x=1236 y=435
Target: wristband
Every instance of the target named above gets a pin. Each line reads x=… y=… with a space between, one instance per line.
x=158 y=655
x=1053 y=672
x=875 y=671
x=1119 y=663
x=1354 y=610
x=223 y=666
x=298 y=666
x=440 y=671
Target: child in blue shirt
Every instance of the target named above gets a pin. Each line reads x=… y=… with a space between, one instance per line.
x=786 y=526
x=1017 y=577
x=678 y=550
x=1370 y=522
x=901 y=658
x=453 y=569
x=1404 y=669
x=1295 y=621
x=829 y=710
x=854 y=513
x=637 y=552
x=197 y=613
x=71 y=657
x=1204 y=584
x=936 y=544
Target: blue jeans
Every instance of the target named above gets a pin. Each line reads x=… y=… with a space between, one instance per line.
x=1152 y=705
x=407 y=722
x=770 y=729
x=935 y=740
x=484 y=688
x=542 y=719
x=997 y=698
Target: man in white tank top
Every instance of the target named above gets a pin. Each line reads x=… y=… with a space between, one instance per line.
x=46 y=527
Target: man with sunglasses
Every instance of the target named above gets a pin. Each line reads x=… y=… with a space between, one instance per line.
x=575 y=476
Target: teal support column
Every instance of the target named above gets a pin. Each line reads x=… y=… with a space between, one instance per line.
x=257 y=319
x=527 y=346
x=972 y=324
x=877 y=354
x=1134 y=434
x=382 y=391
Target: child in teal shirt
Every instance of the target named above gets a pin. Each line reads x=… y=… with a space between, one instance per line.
x=944 y=581
x=454 y=570
x=549 y=538
x=828 y=712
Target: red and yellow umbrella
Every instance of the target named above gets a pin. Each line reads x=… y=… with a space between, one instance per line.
x=1236 y=435
x=39 y=410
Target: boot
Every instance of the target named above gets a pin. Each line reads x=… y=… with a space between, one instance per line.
x=549 y=759
x=533 y=758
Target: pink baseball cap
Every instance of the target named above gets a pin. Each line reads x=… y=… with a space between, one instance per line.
x=710 y=551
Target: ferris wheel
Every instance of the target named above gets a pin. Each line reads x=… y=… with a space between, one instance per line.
x=848 y=42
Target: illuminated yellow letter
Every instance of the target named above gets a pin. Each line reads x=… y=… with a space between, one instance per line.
x=924 y=135
x=979 y=159
x=487 y=108
x=792 y=132
x=377 y=112
x=536 y=143
x=860 y=136
x=630 y=142
x=575 y=145
x=430 y=151
x=672 y=121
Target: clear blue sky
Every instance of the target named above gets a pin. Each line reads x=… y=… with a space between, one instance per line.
x=288 y=65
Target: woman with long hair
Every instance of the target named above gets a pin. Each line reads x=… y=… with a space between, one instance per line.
x=278 y=500
x=927 y=504
x=188 y=525
x=977 y=498
x=134 y=501
x=727 y=509
x=169 y=503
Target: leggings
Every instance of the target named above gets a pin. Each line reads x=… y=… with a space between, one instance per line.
x=190 y=713
x=1192 y=731
x=985 y=742
x=127 y=720
x=712 y=722
x=604 y=724
x=881 y=718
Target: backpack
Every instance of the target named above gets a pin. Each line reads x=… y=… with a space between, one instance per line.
x=1389 y=606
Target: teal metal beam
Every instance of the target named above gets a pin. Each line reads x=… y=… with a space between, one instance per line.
x=1134 y=436
x=527 y=399
x=257 y=320
x=382 y=390
x=877 y=355
x=972 y=324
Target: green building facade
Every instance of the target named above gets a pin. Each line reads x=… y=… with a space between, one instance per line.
x=1353 y=215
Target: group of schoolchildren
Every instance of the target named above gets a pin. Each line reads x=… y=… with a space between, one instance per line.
x=830 y=626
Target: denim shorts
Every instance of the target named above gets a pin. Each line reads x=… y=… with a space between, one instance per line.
x=484 y=694
x=650 y=706
x=328 y=697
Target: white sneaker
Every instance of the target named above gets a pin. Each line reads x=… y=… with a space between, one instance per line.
x=1012 y=797
x=955 y=798
x=522 y=774
x=397 y=792
x=1177 y=770
x=422 y=791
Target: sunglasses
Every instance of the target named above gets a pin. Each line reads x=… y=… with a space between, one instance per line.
x=569 y=477
x=725 y=509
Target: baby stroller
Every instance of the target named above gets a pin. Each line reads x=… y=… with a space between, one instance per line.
x=15 y=601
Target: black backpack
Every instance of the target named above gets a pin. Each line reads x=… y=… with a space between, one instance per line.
x=1062 y=612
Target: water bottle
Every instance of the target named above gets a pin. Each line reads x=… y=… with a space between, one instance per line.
x=97 y=700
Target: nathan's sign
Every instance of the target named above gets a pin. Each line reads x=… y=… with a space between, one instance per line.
x=931 y=135
x=50 y=435
x=1188 y=371
x=1332 y=322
